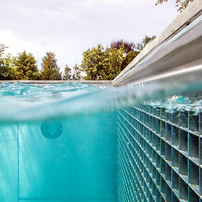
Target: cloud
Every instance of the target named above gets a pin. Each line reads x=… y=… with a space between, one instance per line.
x=60 y=14
x=17 y=45
x=67 y=51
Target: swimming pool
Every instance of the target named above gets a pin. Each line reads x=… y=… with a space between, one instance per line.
x=138 y=142
x=53 y=151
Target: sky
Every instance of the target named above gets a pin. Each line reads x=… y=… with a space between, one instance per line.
x=70 y=27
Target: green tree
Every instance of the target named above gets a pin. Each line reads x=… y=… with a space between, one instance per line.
x=7 y=70
x=67 y=73
x=105 y=64
x=6 y=65
x=1 y=61
x=4 y=71
x=2 y=49
x=119 y=58
x=77 y=73
x=128 y=58
x=181 y=4
x=116 y=58
x=145 y=41
x=50 y=69
x=95 y=63
x=2 y=66
x=26 y=68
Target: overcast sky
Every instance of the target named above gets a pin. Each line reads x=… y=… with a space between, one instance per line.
x=70 y=27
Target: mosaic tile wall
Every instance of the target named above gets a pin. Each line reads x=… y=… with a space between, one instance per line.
x=159 y=155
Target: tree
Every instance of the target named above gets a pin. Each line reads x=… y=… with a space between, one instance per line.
x=129 y=54
x=2 y=49
x=128 y=58
x=127 y=46
x=7 y=70
x=2 y=67
x=26 y=68
x=145 y=41
x=4 y=71
x=116 y=58
x=67 y=73
x=50 y=70
x=76 y=73
x=95 y=63
x=119 y=58
x=181 y=4
x=105 y=64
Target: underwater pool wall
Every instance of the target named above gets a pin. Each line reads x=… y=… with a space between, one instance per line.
x=159 y=155
x=71 y=159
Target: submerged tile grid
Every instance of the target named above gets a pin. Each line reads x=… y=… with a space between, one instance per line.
x=159 y=155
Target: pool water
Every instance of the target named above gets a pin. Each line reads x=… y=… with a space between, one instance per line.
x=64 y=159
x=76 y=142
x=77 y=165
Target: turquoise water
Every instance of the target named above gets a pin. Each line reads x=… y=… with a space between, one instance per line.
x=32 y=103
x=65 y=159
x=79 y=164
x=20 y=102
x=59 y=142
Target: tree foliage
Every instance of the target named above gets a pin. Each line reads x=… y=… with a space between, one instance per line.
x=98 y=63
x=118 y=60
x=105 y=64
x=181 y=4
x=1 y=62
x=94 y=63
x=128 y=58
x=50 y=70
x=2 y=66
x=25 y=67
x=127 y=46
x=7 y=70
x=2 y=49
x=144 y=42
x=67 y=73
x=4 y=70
x=76 y=73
